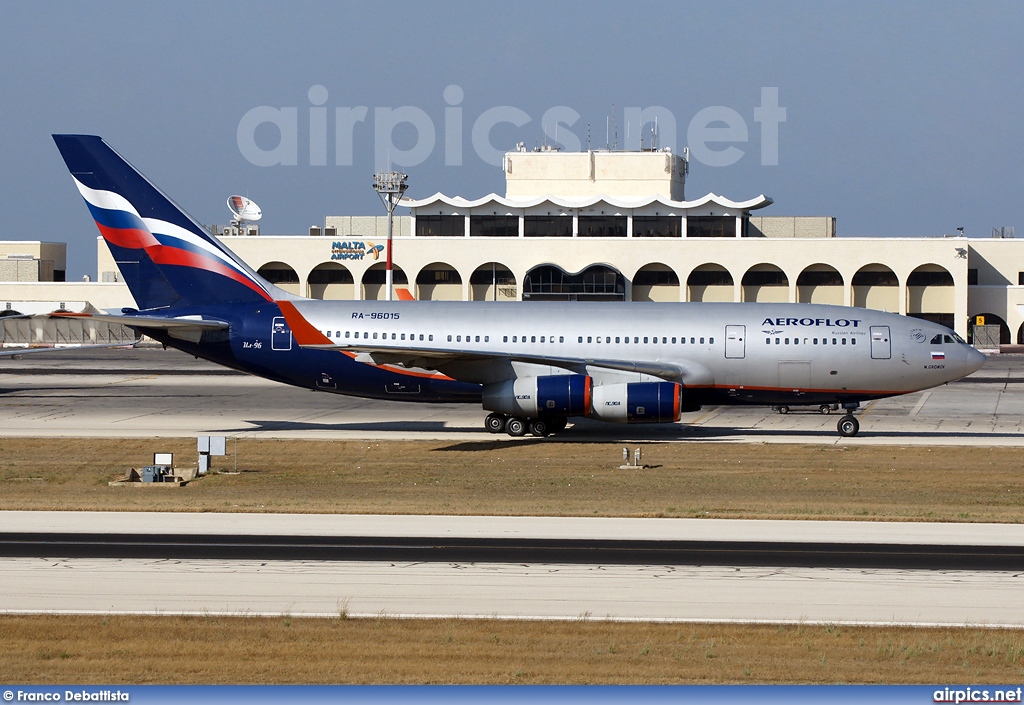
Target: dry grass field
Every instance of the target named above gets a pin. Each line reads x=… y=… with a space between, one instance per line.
x=212 y=650
x=530 y=477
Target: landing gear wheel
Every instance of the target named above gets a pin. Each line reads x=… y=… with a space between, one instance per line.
x=848 y=426
x=539 y=428
x=825 y=409
x=783 y=409
x=494 y=423
x=516 y=426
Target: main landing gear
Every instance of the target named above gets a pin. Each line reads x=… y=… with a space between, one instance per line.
x=515 y=426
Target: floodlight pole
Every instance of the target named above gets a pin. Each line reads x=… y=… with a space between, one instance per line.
x=389 y=185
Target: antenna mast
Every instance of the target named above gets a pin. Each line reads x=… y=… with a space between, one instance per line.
x=390 y=185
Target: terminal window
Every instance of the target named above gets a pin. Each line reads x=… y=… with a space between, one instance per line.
x=547 y=226
x=657 y=226
x=602 y=226
x=710 y=226
x=440 y=226
x=494 y=226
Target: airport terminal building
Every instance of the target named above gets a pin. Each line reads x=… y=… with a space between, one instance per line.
x=593 y=226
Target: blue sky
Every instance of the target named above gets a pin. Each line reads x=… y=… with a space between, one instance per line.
x=902 y=119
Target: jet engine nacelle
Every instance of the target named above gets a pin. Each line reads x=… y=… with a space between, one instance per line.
x=531 y=397
x=639 y=402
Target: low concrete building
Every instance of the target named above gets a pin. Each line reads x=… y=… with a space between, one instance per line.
x=611 y=226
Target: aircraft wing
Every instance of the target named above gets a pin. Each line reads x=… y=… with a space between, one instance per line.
x=452 y=362
x=482 y=367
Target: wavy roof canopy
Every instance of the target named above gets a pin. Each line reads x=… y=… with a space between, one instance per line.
x=712 y=198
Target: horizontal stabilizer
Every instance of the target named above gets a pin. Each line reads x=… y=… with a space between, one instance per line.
x=180 y=323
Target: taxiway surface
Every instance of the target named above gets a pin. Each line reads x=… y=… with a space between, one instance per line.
x=156 y=392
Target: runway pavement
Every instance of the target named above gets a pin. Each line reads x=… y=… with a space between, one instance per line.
x=493 y=590
x=510 y=590
x=151 y=392
x=155 y=392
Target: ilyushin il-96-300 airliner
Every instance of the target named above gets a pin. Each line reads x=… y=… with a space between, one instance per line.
x=533 y=365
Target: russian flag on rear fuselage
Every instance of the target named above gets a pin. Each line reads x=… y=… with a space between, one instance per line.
x=145 y=230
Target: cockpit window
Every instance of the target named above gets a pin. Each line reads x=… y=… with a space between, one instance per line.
x=940 y=338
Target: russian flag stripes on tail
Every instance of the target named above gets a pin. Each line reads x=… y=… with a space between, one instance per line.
x=163 y=254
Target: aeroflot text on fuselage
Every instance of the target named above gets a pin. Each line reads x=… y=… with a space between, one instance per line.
x=828 y=322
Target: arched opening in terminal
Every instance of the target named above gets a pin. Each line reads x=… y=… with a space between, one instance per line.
x=820 y=284
x=1020 y=335
x=655 y=282
x=439 y=281
x=877 y=287
x=989 y=332
x=493 y=282
x=930 y=294
x=598 y=282
x=710 y=282
x=374 y=279
x=765 y=283
x=281 y=275
x=331 y=281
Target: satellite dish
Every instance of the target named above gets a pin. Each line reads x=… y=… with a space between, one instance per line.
x=243 y=209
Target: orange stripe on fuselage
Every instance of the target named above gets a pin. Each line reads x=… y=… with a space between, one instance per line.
x=305 y=332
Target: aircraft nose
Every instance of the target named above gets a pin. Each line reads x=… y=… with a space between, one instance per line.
x=975 y=359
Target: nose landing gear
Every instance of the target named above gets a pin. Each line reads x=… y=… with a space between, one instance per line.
x=848 y=426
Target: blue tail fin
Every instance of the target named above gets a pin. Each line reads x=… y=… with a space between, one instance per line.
x=165 y=257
